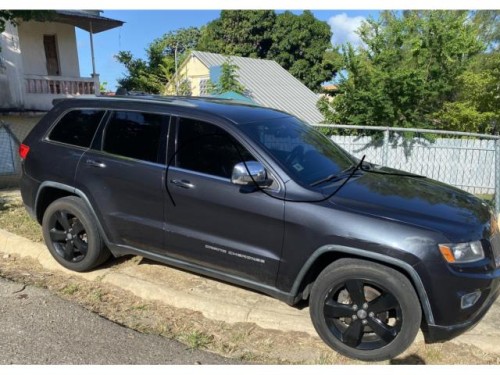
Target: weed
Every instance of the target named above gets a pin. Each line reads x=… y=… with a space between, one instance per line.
x=197 y=339
x=142 y=307
x=325 y=359
x=70 y=289
x=96 y=295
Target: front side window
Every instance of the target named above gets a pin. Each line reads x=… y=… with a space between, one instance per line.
x=206 y=148
x=77 y=127
x=134 y=134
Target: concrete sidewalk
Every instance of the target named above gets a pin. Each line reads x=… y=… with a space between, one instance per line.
x=216 y=300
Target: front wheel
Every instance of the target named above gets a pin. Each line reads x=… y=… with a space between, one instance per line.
x=365 y=310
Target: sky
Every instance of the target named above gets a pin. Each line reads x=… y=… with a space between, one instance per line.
x=143 y=26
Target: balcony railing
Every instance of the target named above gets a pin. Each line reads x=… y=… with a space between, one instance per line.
x=55 y=85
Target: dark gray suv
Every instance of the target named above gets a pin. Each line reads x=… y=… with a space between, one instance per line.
x=254 y=197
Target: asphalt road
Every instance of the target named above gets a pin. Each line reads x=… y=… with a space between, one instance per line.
x=37 y=327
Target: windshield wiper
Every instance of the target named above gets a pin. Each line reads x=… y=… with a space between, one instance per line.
x=351 y=170
x=333 y=176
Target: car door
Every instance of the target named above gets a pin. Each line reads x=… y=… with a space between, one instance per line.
x=209 y=220
x=122 y=175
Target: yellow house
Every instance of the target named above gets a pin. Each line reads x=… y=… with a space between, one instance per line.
x=266 y=82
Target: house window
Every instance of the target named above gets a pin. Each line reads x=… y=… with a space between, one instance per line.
x=204 y=87
x=50 y=46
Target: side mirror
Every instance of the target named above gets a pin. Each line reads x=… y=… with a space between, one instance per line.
x=257 y=171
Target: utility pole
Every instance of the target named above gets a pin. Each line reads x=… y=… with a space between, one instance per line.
x=175 y=75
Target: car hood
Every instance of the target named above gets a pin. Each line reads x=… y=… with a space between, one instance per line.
x=415 y=200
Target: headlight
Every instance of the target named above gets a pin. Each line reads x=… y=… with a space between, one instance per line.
x=462 y=252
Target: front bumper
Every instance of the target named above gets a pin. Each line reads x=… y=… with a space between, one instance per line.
x=437 y=333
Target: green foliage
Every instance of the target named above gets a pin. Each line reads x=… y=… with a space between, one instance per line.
x=153 y=74
x=228 y=80
x=299 y=46
x=406 y=69
x=299 y=43
x=477 y=108
x=103 y=86
x=488 y=24
x=246 y=33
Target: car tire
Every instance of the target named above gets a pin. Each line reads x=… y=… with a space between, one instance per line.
x=365 y=310
x=72 y=236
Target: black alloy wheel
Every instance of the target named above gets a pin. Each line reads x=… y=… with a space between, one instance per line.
x=68 y=236
x=365 y=310
x=362 y=315
x=71 y=235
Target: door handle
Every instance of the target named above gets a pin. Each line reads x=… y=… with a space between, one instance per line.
x=182 y=183
x=94 y=163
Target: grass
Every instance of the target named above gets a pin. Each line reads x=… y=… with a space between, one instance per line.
x=70 y=289
x=97 y=295
x=15 y=219
x=198 y=340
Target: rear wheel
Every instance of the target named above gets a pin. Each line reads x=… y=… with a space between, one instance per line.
x=71 y=235
x=365 y=310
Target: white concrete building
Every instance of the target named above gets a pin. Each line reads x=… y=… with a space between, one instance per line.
x=39 y=60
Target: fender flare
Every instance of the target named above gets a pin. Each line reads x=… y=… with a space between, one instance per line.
x=80 y=194
x=368 y=255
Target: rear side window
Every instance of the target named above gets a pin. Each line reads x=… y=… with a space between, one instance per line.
x=134 y=134
x=77 y=127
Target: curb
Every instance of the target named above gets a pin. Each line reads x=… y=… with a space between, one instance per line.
x=178 y=289
x=181 y=289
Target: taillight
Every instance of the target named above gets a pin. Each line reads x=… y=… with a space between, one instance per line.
x=23 y=151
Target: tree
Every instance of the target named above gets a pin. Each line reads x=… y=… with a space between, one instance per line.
x=153 y=74
x=477 y=108
x=488 y=23
x=297 y=42
x=228 y=80
x=246 y=33
x=299 y=46
x=406 y=70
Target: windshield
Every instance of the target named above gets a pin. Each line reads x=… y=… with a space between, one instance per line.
x=303 y=152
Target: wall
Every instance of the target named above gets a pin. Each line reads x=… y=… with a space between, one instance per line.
x=195 y=71
x=11 y=70
x=33 y=52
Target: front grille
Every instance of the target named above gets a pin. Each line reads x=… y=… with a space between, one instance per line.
x=495 y=247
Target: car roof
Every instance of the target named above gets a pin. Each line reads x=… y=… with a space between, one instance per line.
x=235 y=111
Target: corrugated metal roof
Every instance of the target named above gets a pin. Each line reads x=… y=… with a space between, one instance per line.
x=270 y=85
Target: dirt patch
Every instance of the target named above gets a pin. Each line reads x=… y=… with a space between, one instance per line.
x=244 y=341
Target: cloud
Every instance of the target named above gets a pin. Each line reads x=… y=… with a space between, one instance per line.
x=343 y=28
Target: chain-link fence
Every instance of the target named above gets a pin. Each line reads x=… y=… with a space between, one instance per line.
x=468 y=161
x=10 y=164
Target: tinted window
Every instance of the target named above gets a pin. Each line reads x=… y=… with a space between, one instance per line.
x=77 y=127
x=206 y=148
x=134 y=135
x=306 y=154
